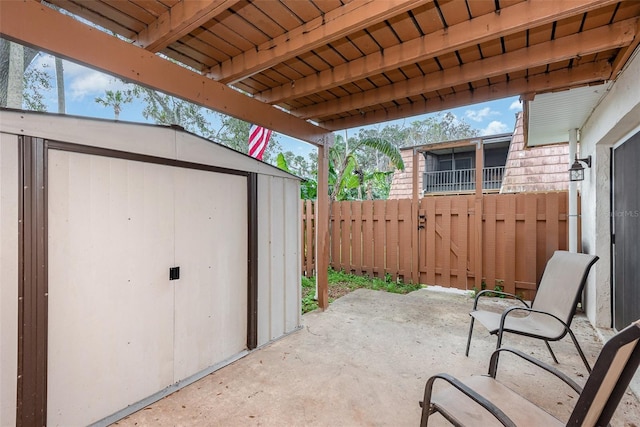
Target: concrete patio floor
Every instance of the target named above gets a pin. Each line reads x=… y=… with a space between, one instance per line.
x=365 y=361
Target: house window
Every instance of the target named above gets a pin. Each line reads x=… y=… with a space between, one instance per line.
x=445 y=165
x=464 y=163
x=454 y=164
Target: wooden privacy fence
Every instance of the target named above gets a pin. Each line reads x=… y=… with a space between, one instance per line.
x=516 y=236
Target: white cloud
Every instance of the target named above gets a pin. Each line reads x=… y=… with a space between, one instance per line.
x=81 y=81
x=515 y=106
x=493 y=128
x=480 y=115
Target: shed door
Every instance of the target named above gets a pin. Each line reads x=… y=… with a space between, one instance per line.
x=119 y=329
x=111 y=241
x=626 y=226
x=211 y=250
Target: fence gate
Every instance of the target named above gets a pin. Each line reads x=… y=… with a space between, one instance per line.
x=513 y=240
x=444 y=240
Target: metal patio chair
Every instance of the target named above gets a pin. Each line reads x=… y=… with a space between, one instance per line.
x=551 y=312
x=483 y=401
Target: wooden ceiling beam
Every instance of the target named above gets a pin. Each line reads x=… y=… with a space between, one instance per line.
x=510 y=20
x=624 y=55
x=353 y=16
x=178 y=21
x=617 y=35
x=34 y=24
x=544 y=82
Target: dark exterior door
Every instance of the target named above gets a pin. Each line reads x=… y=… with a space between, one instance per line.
x=626 y=228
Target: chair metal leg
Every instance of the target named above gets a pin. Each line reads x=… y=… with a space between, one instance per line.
x=466 y=353
x=493 y=367
x=575 y=342
x=553 y=356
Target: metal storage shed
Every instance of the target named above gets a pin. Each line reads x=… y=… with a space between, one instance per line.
x=110 y=210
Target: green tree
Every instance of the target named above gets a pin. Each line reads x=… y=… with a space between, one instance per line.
x=346 y=171
x=115 y=99
x=297 y=164
x=36 y=83
x=438 y=128
x=308 y=186
x=168 y=110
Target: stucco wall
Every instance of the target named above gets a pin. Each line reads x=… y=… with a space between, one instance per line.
x=613 y=120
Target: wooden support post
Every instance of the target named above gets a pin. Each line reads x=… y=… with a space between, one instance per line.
x=415 y=221
x=322 y=225
x=478 y=213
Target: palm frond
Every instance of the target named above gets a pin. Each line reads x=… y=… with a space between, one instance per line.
x=385 y=147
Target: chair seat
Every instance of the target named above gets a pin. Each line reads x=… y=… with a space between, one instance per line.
x=459 y=408
x=534 y=324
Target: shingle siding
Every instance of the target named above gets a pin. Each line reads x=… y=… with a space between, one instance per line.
x=543 y=168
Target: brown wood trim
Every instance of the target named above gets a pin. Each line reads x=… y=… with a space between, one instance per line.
x=33 y=286
x=252 y=262
x=117 y=154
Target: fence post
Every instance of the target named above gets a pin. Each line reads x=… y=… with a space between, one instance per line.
x=415 y=201
x=478 y=209
x=322 y=224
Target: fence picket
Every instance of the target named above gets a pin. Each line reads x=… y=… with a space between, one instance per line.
x=378 y=243
x=405 y=232
x=367 y=238
x=357 y=263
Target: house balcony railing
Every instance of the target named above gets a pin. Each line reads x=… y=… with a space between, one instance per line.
x=462 y=180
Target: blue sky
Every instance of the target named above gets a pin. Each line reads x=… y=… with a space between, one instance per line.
x=83 y=85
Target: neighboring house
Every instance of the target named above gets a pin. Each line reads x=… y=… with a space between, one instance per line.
x=449 y=167
x=540 y=168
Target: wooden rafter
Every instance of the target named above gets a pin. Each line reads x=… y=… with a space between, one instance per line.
x=351 y=17
x=561 y=79
x=612 y=36
x=34 y=24
x=510 y=20
x=179 y=21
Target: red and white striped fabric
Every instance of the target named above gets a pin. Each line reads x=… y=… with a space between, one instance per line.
x=258 y=140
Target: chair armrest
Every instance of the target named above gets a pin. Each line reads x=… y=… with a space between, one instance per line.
x=493 y=367
x=508 y=311
x=506 y=294
x=490 y=407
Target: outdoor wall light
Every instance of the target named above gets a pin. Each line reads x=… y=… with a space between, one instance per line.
x=576 y=173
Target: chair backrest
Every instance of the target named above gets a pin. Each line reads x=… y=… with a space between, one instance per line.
x=562 y=282
x=611 y=375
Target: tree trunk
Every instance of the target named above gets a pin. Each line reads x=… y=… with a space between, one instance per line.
x=15 y=82
x=5 y=53
x=60 y=85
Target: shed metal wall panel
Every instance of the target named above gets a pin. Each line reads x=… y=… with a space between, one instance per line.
x=211 y=250
x=111 y=233
x=9 y=193
x=279 y=243
x=264 y=264
x=167 y=142
x=127 y=137
x=293 y=271
x=194 y=149
x=277 y=258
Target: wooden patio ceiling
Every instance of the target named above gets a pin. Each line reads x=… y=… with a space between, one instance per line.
x=347 y=63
